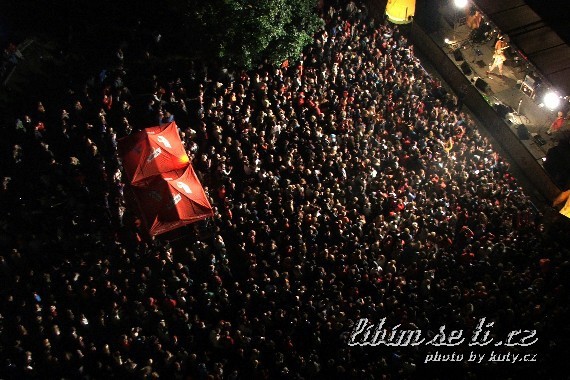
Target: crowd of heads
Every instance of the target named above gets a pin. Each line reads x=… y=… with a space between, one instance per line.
x=347 y=184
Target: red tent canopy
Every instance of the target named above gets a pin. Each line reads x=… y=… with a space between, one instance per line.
x=151 y=152
x=172 y=200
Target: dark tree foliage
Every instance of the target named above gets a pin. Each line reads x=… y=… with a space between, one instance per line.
x=239 y=33
x=245 y=32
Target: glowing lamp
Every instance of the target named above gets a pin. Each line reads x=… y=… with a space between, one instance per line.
x=566 y=209
x=563 y=197
x=184 y=159
x=551 y=100
x=400 y=11
x=460 y=3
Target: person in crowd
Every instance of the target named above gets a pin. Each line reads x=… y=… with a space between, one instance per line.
x=345 y=185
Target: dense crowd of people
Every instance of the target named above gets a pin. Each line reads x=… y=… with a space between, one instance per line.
x=348 y=184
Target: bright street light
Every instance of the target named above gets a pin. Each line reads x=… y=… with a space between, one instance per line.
x=460 y=3
x=551 y=100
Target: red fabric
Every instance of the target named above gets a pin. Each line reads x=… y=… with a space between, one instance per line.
x=151 y=152
x=172 y=200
